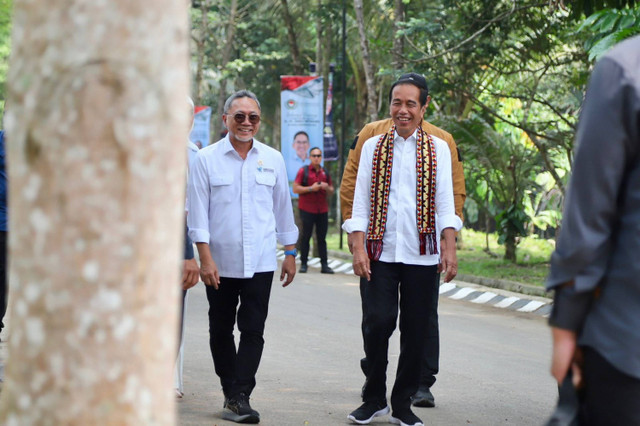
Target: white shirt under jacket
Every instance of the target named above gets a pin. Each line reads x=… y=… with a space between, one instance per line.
x=240 y=207
x=400 y=242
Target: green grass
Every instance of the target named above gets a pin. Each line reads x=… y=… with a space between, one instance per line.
x=531 y=268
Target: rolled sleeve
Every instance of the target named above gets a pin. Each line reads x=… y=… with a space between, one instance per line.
x=286 y=229
x=359 y=220
x=355 y=225
x=445 y=207
x=449 y=221
x=198 y=202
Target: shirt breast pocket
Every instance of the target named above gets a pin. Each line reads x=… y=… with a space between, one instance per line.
x=221 y=188
x=265 y=181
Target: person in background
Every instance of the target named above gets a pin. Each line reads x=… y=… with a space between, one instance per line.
x=190 y=269
x=239 y=205
x=595 y=269
x=313 y=184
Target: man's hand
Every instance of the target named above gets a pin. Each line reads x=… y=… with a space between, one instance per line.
x=361 y=262
x=448 y=258
x=190 y=273
x=324 y=185
x=209 y=273
x=351 y=239
x=566 y=353
x=288 y=270
x=316 y=187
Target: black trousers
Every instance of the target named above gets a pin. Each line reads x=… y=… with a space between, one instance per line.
x=4 y=290
x=237 y=368
x=321 y=222
x=431 y=353
x=409 y=288
x=610 y=396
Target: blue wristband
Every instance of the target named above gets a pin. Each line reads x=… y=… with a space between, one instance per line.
x=293 y=252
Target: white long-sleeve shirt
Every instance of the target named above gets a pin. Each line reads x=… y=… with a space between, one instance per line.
x=401 y=242
x=240 y=207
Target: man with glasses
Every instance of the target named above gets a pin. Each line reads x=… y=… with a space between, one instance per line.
x=239 y=205
x=314 y=184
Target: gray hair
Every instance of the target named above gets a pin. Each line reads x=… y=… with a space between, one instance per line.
x=240 y=94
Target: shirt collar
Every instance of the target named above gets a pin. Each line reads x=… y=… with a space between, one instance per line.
x=414 y=135
x=227 y=147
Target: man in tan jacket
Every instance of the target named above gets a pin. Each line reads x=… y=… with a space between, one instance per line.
x=430 y=365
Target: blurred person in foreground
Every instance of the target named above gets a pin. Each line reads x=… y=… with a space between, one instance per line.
x=595 y=269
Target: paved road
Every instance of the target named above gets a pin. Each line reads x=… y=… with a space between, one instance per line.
x=494 y=363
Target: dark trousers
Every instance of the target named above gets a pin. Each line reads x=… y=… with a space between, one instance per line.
x=431 y=353
x=610 y=396
x=4 y=290
x=321 y=222
x=237 y=369
x=393 y=286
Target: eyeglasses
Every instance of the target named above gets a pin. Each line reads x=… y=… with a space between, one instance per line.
x=239 y=118
x=316 y=155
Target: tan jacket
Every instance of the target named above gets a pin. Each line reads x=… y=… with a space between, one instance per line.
x=348 y=184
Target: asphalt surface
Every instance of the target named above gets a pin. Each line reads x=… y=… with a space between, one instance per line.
x=494 y=362
x=493 y=367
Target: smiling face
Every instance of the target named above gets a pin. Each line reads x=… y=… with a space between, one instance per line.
x=301 y=145
x=245 y=131
x=405 y=109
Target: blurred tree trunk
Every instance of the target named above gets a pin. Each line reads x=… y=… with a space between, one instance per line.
x=398 y=42
x=97 y=126
x=372 y=102
x=319 y=39
x=293 y=44
x=226 y=57
x=200 y=41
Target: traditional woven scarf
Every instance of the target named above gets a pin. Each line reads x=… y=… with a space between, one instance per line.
x=426 y=167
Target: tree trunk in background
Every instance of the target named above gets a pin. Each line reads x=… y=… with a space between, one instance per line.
x=97 y=129
x=216 y=120
x=293 y=44
x=398 y=42
x=200 y=43
x=319 y=38
x=372 y=102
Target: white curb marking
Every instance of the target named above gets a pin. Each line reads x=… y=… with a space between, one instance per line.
x=343 y=268
x=447 y=287
x=531 y=306
x=507 y=302
x=484 y=298
x=462 y=293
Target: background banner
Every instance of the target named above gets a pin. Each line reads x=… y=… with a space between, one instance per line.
x=201 y=125
x=301 y=105
x=330 y=141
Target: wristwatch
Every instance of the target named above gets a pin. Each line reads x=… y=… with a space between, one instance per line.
x=293 y=252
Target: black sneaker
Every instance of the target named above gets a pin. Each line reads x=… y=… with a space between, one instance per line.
x=423 y=398
x=326 y=270
x=367 y=411
x=303 y=268
x=238 y=410
x=405 y=418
